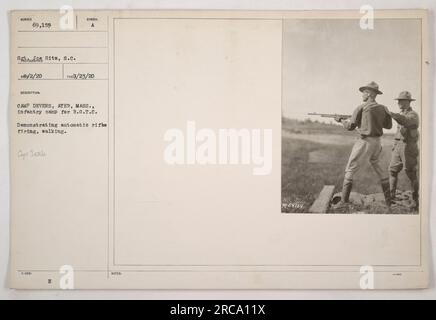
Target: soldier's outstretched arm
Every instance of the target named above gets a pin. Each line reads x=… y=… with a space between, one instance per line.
x=388 y=119
x=410 y=120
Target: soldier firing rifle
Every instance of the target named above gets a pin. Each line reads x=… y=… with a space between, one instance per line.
x=370 y=118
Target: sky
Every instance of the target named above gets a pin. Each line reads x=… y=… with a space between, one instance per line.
x=326 y=61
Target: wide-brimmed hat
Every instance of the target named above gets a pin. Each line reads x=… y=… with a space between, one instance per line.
x=405 y=95
x=372 y=86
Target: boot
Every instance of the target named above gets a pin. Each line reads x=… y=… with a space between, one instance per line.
x=387 y=192
x=346 y=189
x=393 y=178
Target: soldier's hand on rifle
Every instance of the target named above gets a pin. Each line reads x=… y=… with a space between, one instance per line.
x=338 y=119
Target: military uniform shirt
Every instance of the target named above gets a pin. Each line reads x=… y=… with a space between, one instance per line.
x=370 y=118
x=408 y=122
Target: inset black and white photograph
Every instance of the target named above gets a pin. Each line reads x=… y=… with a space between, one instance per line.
x=351 y=112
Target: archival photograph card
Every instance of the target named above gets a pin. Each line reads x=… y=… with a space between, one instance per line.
x=219 y=149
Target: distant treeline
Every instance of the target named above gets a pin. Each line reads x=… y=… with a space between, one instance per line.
x=309 y=125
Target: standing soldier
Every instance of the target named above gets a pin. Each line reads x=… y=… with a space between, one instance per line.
x=405 y=149
x=370 y=117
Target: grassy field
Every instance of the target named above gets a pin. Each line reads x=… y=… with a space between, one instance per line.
x=314 y=155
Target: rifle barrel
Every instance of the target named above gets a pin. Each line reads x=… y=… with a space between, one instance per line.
x=329 y=115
